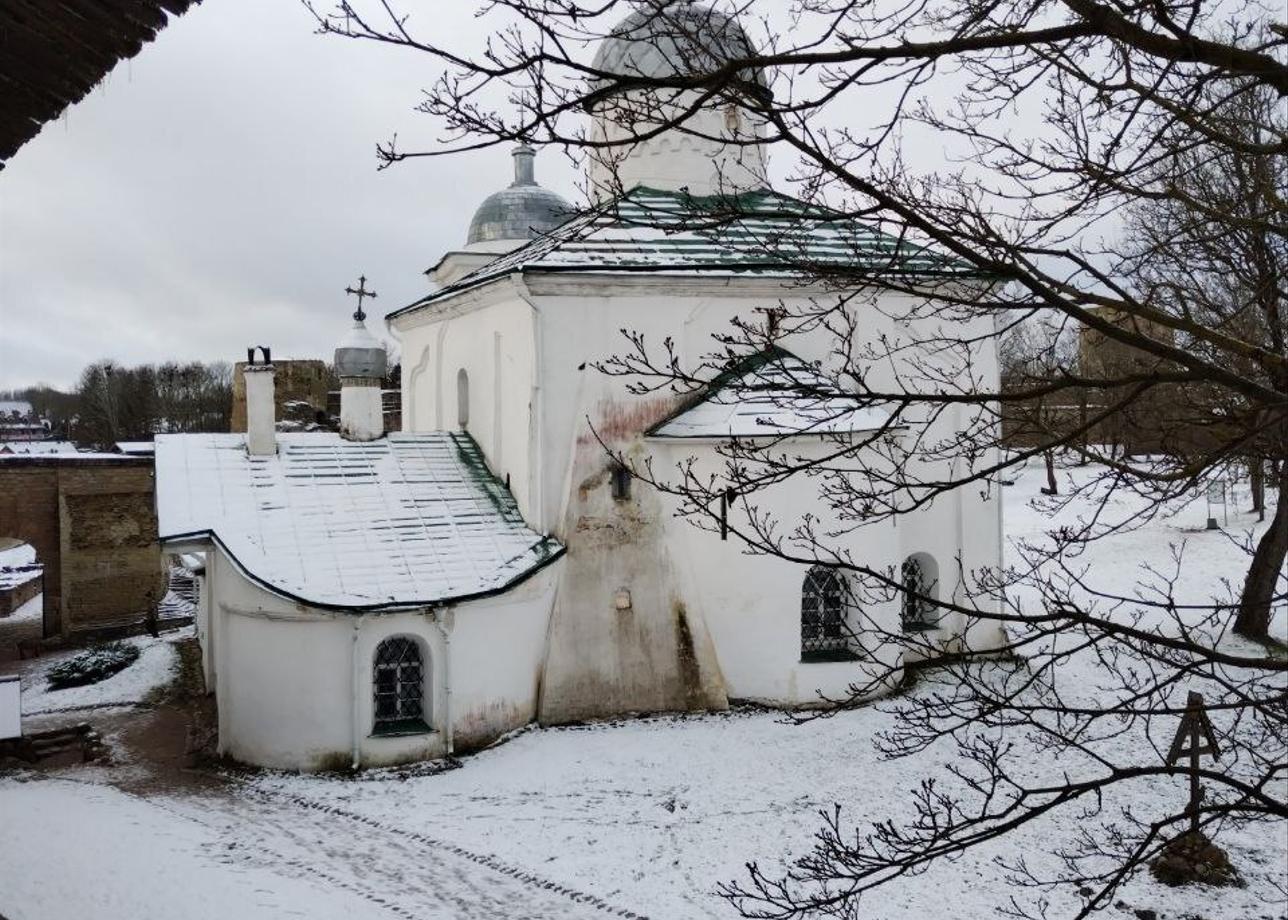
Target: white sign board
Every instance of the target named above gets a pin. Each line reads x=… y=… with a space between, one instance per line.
x=1216 y=492
x=10 y=708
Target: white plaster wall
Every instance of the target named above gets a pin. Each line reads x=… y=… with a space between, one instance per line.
x=691 y=158
x=498 y=647
x=751 y=604
x=580 y=318
x=361 y=409
x=283 y=693
x=963 y=529
x=652 y=659
x=493 y=341
x=583 y=320
x=295 y=684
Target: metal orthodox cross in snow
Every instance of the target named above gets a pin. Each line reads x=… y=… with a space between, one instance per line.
x=360 y=292
x=1194 y=737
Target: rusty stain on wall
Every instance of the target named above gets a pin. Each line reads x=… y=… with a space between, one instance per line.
x=615 y=422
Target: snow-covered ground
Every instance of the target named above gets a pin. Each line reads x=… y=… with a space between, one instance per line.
x=73 y=849
x=31 y=611
x=20 y=554
x=640 y=817
x=155 y=667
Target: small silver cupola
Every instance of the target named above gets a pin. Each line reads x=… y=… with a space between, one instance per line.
x=523 y=211
x=360 y=363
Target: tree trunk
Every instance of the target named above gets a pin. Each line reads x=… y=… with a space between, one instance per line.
x=1263 y=575
x=1257 y=469
x=1083 y=459
x=1051 y=486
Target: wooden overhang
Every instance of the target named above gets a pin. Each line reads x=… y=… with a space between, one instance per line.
x=53 y=52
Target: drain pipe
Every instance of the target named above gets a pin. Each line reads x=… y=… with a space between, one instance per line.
x=445 y=620
x=356 y=678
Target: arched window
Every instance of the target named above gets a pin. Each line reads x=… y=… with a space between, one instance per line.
x=919 y=579
x=399 y=686
x=823 y=634
x=462 y=399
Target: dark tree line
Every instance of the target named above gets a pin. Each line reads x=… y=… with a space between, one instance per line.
x=118 y=403
x=113 y=402
x=1117 y=171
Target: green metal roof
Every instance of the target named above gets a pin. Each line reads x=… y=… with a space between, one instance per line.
x=762 y=233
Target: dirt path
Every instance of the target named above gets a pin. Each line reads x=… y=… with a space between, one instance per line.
x=404 y=873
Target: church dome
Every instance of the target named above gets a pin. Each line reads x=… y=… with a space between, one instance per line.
x=523 y=211
x=668 y=38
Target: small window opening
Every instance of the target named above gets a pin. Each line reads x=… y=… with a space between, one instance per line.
x=462 y=399
x=621 y=479
x=919 y=581
x=399 y=687
x=733 y=120
x=727 y=498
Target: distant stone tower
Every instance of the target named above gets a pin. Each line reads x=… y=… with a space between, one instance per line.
x=295 y=382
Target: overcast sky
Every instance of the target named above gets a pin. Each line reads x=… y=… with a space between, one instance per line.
x=221 y=189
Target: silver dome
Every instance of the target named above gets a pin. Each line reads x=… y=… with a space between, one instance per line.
x=523 y=211
x=359 y=354
x=669 y=38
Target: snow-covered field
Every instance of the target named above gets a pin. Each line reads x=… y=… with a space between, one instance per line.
x=638 y=818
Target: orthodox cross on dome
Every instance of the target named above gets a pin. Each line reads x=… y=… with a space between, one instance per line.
x=360 y=292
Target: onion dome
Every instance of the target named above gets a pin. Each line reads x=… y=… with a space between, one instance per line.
x=523 y=211
x=670 y=38
x=359 y=354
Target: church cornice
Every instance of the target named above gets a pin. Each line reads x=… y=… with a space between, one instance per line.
x=501 y=289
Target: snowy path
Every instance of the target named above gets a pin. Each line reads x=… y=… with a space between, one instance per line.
x=252 y=856
x=401 y=872
x=134 y=860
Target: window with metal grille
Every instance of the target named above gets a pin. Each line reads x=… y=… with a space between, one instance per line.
x=919 y=583
x=823 y=633
x=399 y=681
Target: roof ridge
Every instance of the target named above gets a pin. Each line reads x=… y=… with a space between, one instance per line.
x=733 y=369
x=761 y=230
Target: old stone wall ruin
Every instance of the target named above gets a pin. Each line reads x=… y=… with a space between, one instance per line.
x=92 y=522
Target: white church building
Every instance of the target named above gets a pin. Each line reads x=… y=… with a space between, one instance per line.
x=371 y=598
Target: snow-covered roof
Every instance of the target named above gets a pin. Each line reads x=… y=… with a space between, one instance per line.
x=762 y=233
x=136 y=448
x=408 y=520
x=9 y=406
x=51 y=449
x=772 y=394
